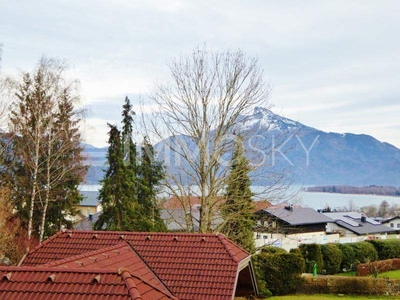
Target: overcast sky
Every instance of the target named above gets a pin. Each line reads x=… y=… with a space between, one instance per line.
x=333 y=65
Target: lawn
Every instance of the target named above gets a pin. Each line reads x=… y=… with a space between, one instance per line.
x=390 y=274
x=321 y=297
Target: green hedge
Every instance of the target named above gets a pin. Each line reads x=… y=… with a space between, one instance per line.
x=332 y=258
x=364 y=252
x=312 y=254
x=386 y=249
x=348 y=257
x=349 y=285
x=281 y=272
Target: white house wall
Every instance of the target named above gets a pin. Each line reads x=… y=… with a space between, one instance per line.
x=291 y=241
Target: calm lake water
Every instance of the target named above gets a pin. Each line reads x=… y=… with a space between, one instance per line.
x=321 y=200
x=315 y=200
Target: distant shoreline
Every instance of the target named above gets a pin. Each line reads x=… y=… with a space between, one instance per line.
x=372 y=190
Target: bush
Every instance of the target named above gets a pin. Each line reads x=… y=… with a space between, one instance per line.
x=281 y=271
x=312 y=254
x=348 y=257
x=364 y=252
x=386 y=249
x=272 y=250
x=349 y=285
x=332 y=258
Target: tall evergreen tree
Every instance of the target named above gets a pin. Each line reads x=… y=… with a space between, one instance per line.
x=129 y=190
x=119 y=207
x=151 y=174
x=237 y=210
x=66 y=166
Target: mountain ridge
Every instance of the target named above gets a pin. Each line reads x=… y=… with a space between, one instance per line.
x=309 y=155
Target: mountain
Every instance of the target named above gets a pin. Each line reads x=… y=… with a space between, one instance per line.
x=310 y=156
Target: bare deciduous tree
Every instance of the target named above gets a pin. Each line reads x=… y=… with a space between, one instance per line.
x=199 y=116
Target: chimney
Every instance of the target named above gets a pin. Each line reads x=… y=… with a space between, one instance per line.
x=289 y=207
x=90 y=217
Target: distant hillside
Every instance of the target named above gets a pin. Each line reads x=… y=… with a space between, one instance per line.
x=311 y=156
x=364 y=190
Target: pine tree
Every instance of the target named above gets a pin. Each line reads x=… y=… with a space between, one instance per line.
x=151 y=174
x=237 y=210
x=66 y=166
x=119 y=207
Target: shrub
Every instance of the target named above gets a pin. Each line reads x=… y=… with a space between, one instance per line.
x=272 y=250
x=364 y=252
x=385 y=249
x=281 y=271
x=349 y=285
x=332 y=258
x=348 y=256
x=312 y=254
x=259 y=261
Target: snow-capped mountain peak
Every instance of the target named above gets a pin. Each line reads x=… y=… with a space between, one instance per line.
x=264 y=118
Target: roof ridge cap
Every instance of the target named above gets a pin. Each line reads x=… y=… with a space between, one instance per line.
x=133 y=274
x=228 y=247
x=150 y=268
x=130 y=284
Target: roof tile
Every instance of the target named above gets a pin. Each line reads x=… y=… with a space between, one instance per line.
x=193 y=266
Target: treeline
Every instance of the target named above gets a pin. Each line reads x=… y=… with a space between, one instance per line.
x=365 y=190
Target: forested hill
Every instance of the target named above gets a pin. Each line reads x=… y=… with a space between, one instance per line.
x=365 y=190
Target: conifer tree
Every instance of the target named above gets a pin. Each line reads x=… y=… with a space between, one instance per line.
x=237 y=210
x=115 y=195
x=151 y=174
x=65 y=165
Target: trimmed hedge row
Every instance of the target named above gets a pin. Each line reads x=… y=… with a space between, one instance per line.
x=279 y=272
x=349 y=285
x=332 y=258
x=387 y=249
x=377 y=267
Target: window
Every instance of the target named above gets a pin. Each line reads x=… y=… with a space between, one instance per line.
x=258 y=236
x=265 y=237
x=391 y=225
x=265 y=224
x=398 y=225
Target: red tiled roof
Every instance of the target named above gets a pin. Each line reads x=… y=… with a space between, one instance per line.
x=60 y=283
x=192 y=266
x=186 y=202
x=112 y=258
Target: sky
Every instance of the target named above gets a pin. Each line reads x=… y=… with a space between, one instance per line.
x=332 y=65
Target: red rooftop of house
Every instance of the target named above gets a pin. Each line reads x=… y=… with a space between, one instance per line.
x=191 y=266
x=19 y=283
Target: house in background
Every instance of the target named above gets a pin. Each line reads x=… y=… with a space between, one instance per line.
x=288 y=227
x=392 y=223
x=187 y=265
x=355 y=227
x=90 y=205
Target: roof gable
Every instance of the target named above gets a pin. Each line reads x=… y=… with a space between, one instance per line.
x=112 y=258
x=193 y=266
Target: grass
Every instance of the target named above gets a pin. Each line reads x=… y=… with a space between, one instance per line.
x=347 y=274
x=390 y=274
x=318 y=297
